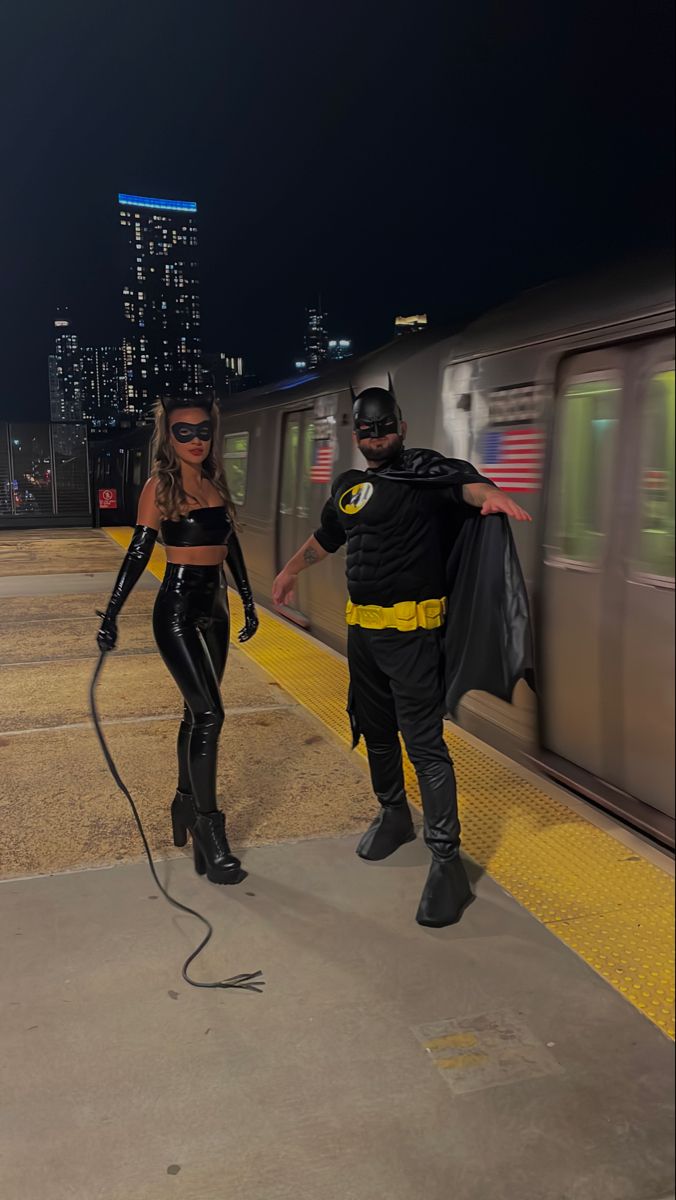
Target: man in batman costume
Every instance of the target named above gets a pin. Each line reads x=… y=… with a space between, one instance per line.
x=437 y=607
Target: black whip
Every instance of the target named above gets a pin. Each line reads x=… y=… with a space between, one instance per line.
x=251 y=982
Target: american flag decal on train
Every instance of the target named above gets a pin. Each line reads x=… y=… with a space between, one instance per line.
x=655 y=481
x=513 y=458
x=322 y=466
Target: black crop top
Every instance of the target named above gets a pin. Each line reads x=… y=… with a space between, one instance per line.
x=199 y=527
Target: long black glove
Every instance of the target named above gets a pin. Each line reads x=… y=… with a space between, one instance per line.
x=135 y=562
x=235 y=561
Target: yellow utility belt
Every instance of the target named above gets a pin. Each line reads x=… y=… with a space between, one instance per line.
x=405 y=616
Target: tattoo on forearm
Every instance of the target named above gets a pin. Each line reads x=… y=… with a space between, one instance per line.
x=478 y=493
x=310 y=556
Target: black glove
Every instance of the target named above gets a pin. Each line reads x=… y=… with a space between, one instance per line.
x=135 y=562
x=107 y=635
x=250 y=620
x=235 y=561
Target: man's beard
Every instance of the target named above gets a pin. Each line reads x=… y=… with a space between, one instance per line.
x=381 y=454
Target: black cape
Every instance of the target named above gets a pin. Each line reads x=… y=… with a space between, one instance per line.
x=488 y=640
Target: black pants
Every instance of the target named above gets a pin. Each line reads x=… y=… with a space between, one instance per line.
x=191 y=622
x=397 y=684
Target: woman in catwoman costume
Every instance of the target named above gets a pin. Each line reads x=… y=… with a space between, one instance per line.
x=187 y=498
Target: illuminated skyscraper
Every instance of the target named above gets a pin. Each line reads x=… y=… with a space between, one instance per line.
x=65 y=373
x=161 y=347
x=316 y=339
x=102 y=385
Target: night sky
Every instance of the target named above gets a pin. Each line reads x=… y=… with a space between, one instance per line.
x=399 y=157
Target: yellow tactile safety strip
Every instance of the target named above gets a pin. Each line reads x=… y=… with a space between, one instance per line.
x=610 y=905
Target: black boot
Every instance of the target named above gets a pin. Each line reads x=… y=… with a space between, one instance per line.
x=446 y=893
x=182 y=817
x=211 y=850
x=391 y=829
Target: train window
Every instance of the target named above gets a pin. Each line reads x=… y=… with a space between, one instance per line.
x=235 y=460
x=585 y=440
x=287 y=494
x=654 y=551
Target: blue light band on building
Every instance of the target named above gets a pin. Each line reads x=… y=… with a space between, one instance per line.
x=151 y=202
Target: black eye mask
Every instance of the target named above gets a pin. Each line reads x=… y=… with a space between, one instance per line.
x=376 y=428
x=183 y=431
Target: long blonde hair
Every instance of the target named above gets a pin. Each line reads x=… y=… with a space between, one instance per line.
x=171 y=497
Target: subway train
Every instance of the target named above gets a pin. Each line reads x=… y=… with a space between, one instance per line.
x=564 y=398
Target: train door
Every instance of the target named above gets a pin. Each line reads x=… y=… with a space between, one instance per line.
x=580 y=626
x=294 y=516
x=608 y=623
x=645 y=768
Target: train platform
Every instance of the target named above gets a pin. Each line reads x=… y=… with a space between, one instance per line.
x=526 y=1054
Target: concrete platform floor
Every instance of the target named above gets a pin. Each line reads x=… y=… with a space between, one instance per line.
x=122 y=1083
x=381 y=1062
x=55 y=550
x=51 y=763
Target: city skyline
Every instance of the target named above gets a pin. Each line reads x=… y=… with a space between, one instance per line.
x=160 y=353
x=107 y=384
x=419 y=161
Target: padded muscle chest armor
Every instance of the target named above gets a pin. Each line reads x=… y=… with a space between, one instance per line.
x=397 y=537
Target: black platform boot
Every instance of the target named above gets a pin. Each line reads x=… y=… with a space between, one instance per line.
x=182 y=816
x=392 y=828
x=446 y=894
x=211 y=850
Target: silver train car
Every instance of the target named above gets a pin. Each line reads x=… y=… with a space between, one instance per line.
x=565 y=398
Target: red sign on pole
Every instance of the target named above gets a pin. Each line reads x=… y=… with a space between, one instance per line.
x=107 y=497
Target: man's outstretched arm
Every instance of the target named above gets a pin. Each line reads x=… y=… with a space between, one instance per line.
x=310 y=553
x=491 y=500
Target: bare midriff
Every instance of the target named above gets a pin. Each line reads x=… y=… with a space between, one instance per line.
x=196 y=556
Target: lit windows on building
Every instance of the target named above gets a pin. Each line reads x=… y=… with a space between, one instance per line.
x=103 y=379
x=163 y=356
x=223 y=375
x=319 y=347
x=65 y=372
x=339 y=348
x=414 y=324
x=316 y=339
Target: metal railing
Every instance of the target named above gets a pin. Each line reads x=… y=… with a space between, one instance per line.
x=44 y=473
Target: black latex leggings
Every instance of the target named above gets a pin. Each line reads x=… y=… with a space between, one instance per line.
x=191 y=622
x=397 y=685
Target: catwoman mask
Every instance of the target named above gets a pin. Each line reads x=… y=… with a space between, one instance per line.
x=184 y=432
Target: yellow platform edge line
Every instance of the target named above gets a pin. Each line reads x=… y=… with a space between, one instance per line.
x=607 y=903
